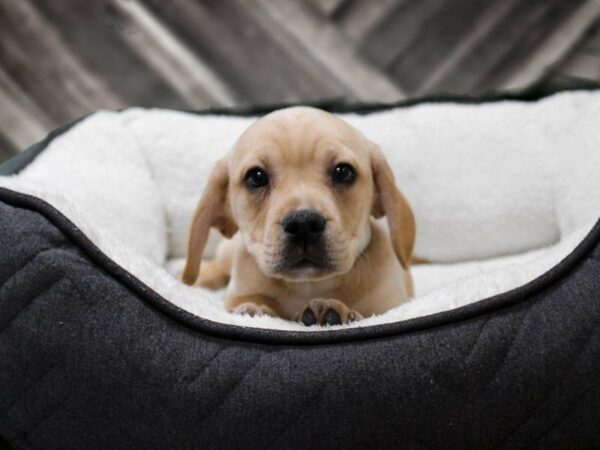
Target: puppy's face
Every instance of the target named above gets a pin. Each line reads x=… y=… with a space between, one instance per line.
x=300 y=191
x=300 y=185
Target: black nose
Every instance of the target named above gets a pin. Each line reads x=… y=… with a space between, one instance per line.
x=304 y=227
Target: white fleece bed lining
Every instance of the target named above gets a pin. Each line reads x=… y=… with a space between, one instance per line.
x=502 y=192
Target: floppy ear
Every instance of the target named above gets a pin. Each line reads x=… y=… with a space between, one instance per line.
x=212 y=211
x=390 y=202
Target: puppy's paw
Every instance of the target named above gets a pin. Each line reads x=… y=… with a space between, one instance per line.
x=327 y=312
x=253 y=310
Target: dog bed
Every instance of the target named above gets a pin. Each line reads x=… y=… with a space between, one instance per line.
x=101 y=346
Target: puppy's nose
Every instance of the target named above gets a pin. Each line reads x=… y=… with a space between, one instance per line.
x=304 y=227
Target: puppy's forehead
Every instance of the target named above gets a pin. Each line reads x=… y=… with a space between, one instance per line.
x=299 y=131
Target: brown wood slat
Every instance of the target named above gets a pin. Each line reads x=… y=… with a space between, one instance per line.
x=34 y=54
x=94 y=32
x=396 y=31
x=544 y=16
x=437 y=37
x=254 y=57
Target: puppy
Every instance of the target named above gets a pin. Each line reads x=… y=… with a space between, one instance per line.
x=297 y=196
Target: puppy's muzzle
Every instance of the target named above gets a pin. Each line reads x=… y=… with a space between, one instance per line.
x=304 y=230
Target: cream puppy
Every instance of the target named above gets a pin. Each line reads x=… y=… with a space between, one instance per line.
x=297 y=197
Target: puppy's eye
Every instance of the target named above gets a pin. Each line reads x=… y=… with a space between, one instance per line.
x=343 y=174
x=256 y=178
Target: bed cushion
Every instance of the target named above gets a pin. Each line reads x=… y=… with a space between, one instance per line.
x=499 y=195
x=102 y=347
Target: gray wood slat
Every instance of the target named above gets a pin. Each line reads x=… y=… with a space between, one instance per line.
x=195 y=82
x=34 y=54
x=564 y=40
x=332 y=51
x=26 y=102
x=591 y=43
x=7 y=149
x=21 y=122
x=543 y=17
x=329 y=7
x=438 y=36
x=359 y=17
x=556 y=80
x=475 y=53
x=61 y=58
x=397 y=30
x=256 y=59
x=264 y=14
x=94 y=32
x=582 y=65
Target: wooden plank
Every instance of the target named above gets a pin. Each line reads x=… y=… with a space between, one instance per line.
x=528 y=60
x=463 y=66
x=505 y=31
x=438 y=37
x=26 y=102
x=358 y=17
x=582 y=65
x=556 y=81
x=35 y=55
x=591 y=40
x=329 y=7
x=258 y=61
x=306 y=59
x=555 y=48
x=7 y=150
x=332 y=51
x=196 y=83
x=397 y=31
x=19 y=128
x=22 y=123
x=95 y=33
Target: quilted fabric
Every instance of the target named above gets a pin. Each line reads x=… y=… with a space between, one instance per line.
x=88 y=360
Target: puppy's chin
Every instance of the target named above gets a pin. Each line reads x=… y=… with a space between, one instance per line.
x=278 y=266
x=300 y=271
x=305 y=272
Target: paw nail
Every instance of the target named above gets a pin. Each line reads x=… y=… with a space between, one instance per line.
x=308 y=317
x=332 y=317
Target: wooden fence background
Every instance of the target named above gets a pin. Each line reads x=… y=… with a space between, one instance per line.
x=60 y=59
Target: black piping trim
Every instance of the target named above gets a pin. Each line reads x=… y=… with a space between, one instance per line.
x=270 y=336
